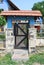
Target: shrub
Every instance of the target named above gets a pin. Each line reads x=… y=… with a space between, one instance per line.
x=2 y=21
x=2 y=37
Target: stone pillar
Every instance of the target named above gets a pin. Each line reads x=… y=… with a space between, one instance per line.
x=9 y=39
x=32 y=39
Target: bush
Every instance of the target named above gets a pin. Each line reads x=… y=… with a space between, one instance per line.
x=2 y=21
x=2 y=37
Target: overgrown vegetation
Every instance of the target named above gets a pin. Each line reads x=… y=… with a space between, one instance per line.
x=39 y=6
x=38 y=58
x=2 y=37
x=6 y=60
x=40 y=34
x=2 y=21
x=1 y=10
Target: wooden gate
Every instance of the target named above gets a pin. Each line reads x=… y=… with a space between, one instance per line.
x=21 y=35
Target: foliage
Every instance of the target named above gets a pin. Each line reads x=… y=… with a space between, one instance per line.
x=2 y=37
x=6 y=60
x=38 y=58
x=2 y=21
x=39 y=6
x=40 y=35
x=1 y=10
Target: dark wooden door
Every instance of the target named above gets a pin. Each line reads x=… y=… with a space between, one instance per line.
x=21 y=35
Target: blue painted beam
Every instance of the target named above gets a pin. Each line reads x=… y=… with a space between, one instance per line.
x=30 y=19
x=9 y=22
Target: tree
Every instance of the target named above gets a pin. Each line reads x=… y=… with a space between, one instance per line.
x=39 y=6
x=1 y=10
x=2 y=21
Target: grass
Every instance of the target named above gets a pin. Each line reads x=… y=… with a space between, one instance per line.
x=38 y=58
x=6 y=60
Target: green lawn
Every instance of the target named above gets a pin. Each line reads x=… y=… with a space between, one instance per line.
x=38 y=58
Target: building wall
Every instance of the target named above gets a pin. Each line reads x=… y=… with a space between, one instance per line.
x=9 y=22
x=30 y=19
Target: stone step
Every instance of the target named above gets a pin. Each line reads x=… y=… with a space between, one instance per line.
x=20 y=54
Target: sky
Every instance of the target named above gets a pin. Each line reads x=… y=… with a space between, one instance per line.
x=25 y=4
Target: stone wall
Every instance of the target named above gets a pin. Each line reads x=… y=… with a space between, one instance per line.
x=39 y=42
x=34 y=41
x=9 y=39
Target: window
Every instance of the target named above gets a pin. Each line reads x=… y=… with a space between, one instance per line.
x=1 y=1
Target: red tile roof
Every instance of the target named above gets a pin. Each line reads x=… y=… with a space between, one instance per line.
x=21 y=13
